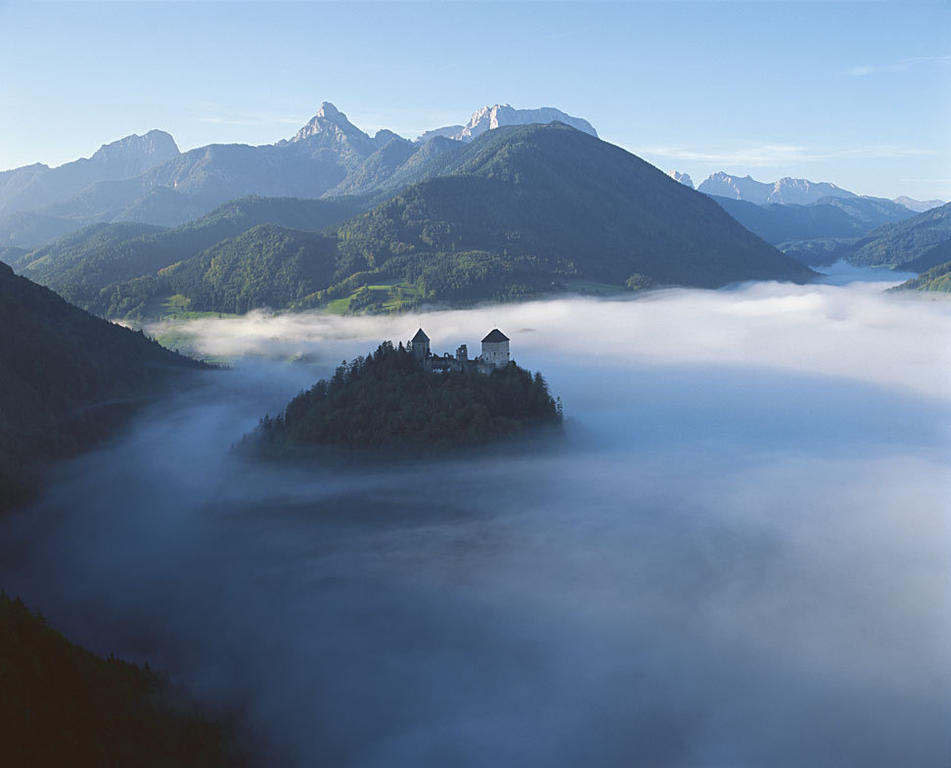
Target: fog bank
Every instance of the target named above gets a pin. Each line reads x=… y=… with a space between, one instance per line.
x=737 y=557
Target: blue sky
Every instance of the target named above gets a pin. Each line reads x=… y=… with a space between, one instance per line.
x=854 y=93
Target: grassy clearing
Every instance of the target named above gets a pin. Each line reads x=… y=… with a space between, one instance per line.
x=592 y=288
x=176 y=307
x=384 y=297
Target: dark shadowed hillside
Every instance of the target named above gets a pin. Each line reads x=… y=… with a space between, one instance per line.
x=66 y=379
x=61 y=705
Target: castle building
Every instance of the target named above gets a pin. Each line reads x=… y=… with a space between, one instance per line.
x=495 y=349
x=419 y=345
x=495 y=354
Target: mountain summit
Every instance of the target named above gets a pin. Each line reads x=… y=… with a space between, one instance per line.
x=330 y=121
x=488 y=118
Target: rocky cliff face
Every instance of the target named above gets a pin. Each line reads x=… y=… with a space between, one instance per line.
x=37 y=185
x=488 y=118
x=136 y=154
x=331 y=126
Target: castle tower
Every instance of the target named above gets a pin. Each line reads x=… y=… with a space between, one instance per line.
x=419 y=345
x=495 y=349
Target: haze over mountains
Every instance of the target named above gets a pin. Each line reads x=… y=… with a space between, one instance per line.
x=146 y=179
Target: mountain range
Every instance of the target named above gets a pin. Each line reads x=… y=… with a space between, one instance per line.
x=492 y=209
x=518 y=210
x=790 y=191
x=147 y=180
x=786 y=190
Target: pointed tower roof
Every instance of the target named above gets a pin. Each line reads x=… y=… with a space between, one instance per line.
x=495 y=336
x=420 y=336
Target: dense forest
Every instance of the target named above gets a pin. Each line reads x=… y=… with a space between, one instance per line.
x=903 y=244
x=388 y=403
x=61 y=705
x=935 y=279
x=68 y=379
x=521 y=210
x=107 y=268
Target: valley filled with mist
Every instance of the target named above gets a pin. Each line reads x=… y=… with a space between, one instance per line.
x=736 y=555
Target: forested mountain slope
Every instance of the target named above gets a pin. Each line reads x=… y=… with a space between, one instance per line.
x=84 y=267
x=938 y=278
x=553 y=202
x=904 y=242
x=67 y=379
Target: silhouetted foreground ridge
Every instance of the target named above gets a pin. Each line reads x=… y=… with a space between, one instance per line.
x=61 y=705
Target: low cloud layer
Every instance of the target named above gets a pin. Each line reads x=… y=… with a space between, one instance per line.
x=736 y=557
x=894 y=341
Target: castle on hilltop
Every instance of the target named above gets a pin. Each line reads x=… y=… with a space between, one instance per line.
x=495 y=354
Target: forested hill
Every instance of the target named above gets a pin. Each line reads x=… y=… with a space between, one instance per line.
x=66 y=379
x=84 y=267
x=548 y=203
x=936 y=279
x=387 y=404
x=905 y=243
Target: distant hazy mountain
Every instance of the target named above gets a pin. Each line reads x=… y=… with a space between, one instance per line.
x=904 y=244
x=872 y=211
x=68 y=378
x=498 y=115
x=683 y=178
x=35 y=186
x=918 y=206
x=777 y=223
x=786 y=190
x=830 y=217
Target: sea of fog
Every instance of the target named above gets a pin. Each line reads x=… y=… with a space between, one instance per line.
x=738 y=555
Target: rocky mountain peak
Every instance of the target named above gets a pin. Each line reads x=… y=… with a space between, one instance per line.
x=683 y=178
x=136 y=154
x=490 y=117
x=330 y=112
x=330 y=121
